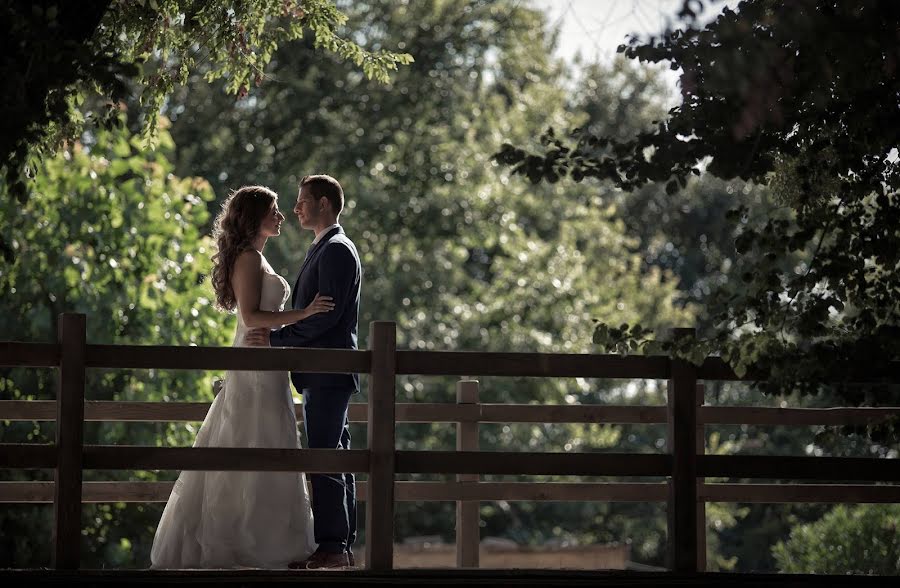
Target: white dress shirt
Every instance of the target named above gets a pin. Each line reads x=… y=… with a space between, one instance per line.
x=323 y=233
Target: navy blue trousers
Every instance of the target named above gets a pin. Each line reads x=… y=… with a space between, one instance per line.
x=333 y=495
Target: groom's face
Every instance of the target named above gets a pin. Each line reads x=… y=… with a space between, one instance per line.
x=307 y=209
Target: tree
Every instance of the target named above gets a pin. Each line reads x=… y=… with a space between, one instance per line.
x=69 y=65
x=113 y=234
x=783 y=94
x=861 y=539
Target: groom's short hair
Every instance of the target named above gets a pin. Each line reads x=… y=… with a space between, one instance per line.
x=324 y=186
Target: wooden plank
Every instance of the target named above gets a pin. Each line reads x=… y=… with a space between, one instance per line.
x=528 y=463
x=381 y=431
x=16 y=354
x=148 y=492
x=547 y=365
x=124 y=457
x=468 y=532
x=419 y=412
x=228 y=358
x=533 y=491
x=27 y=455
x=91 y=492
x=783 y=493
x=682 y=505
x=436 y=412
x=433 y=412
x=107 y=410
x=69 y=442
x=764 y=415
x=799 y=468
x=561 y=413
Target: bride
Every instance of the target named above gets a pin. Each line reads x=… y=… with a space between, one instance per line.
x=244 y=519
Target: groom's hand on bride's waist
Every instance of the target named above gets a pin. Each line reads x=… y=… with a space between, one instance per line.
x=257 y=337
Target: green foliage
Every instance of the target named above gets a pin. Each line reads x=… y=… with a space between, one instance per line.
x=783 y=94
x=112 y=234
x=69 y=65
x=861 y=539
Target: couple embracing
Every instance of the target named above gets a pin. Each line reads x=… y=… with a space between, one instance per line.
x=266 y=519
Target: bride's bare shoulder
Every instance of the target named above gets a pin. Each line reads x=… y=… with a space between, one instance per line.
x=249 y=261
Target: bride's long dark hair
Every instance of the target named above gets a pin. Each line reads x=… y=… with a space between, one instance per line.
x=236 y=227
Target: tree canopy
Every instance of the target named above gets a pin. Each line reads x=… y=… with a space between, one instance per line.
x=799 y=96
x=68 y=66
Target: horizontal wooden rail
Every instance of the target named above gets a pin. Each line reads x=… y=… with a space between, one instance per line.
x=27 y=455
x=419 y=412
x=427 y=412
x=116 y=457
x=119 y=457
x=562 y=413
x=42 y=492
x=765 y=415
x=826 y=493
x=446 y=363
x=549 y=365
x=228 y=358
x=798 y=468
x=530 y=464
x=15 y=354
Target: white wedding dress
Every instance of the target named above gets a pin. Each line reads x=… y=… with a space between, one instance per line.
x=241 y=519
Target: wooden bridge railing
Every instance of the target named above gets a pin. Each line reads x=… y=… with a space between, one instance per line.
x=685 y=465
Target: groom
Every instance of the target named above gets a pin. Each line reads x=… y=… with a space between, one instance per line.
x=331 y=268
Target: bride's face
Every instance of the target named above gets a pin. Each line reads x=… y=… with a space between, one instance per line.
x=271 y=223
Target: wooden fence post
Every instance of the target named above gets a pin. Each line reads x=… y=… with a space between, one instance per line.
x=381 y=432
x=468 y=532
x=701 y=504
x=71 y=335
x=682 y=504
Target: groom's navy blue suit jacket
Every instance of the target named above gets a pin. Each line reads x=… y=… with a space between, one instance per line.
x=331 y=268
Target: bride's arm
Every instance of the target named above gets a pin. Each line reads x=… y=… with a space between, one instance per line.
x=246 y=279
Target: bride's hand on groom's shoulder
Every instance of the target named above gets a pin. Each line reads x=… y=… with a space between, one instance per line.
x=257 y=338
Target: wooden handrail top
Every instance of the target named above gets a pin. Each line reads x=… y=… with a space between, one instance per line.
x=228 y=358
x=784 y=467
x=18 y=354
x=409 y=362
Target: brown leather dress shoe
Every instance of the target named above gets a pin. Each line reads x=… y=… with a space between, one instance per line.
x=321 y=560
